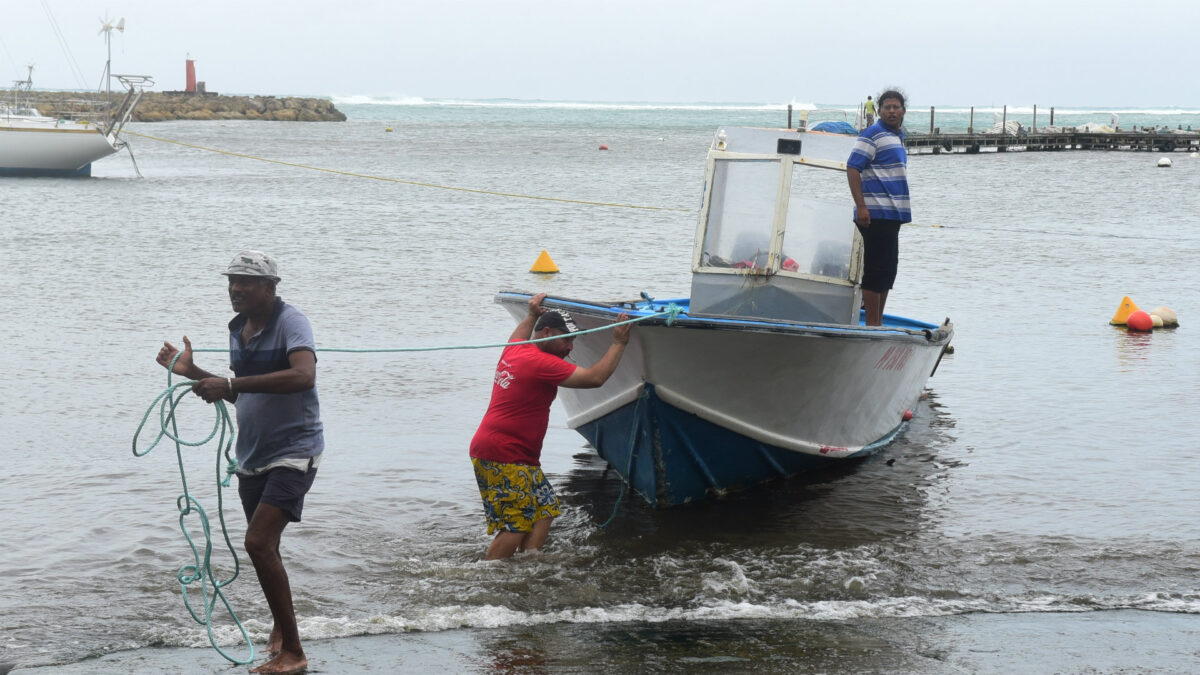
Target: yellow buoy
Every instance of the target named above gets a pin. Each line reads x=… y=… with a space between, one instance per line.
x=544 y=264
x=387 y=129
x=1123 y=311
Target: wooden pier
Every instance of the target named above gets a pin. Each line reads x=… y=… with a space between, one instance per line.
x=1148 y=141
x=1029 y=139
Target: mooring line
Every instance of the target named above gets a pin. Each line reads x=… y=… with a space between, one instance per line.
x=355 y=174
x=515 y=195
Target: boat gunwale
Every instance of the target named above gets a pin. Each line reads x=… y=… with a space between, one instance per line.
x=923 y=332
x=54 y=130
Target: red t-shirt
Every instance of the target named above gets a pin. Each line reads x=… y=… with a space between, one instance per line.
x=514 y=426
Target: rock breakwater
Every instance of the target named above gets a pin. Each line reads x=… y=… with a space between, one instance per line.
x=165 y=106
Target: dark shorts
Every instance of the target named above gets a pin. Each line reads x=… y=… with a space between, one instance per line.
x=281 y=487
x=881 y=254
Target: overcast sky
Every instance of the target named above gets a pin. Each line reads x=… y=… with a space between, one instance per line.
x=942 y=52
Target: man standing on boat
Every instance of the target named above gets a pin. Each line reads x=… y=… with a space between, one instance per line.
x=877 y=171
x=518 y=501
x=280 y=437
x=869 y=111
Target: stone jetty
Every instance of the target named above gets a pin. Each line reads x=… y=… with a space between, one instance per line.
x=164 y=106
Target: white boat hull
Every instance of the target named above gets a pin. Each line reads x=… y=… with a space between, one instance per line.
x=52 y=150
x=738 y=402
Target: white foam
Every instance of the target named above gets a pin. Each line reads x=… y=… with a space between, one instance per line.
x=568 y=105
x=732 y=581
x=376 y=100
x=496 y=617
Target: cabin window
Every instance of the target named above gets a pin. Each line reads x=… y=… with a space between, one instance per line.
x=819 y=239
x=740 y=214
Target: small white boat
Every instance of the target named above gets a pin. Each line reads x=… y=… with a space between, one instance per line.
x=79 y=132
x=766 y=371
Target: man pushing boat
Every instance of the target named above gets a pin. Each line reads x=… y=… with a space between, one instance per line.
x=518 y=502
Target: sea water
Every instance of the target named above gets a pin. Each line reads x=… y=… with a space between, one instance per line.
x=1039 y=513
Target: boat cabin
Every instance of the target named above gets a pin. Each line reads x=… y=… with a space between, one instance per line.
x=776 y=238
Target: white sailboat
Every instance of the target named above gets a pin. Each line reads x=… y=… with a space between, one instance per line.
x=75 y=134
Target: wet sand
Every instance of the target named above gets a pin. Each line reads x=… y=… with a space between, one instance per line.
x=1122 y=641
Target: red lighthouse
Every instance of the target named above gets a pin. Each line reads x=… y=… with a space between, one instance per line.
x=191 y=76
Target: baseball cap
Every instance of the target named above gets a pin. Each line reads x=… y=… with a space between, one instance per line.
x=251 y=263
x=557 y=319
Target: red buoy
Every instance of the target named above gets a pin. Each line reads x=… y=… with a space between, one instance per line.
x=1139 y=321
x=603 y=146
x=908 y=415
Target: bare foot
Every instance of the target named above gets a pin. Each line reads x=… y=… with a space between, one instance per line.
x=275 y=642
x=284 y=662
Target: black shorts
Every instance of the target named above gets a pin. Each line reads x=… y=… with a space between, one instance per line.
x=281 y=487
x=881 y=254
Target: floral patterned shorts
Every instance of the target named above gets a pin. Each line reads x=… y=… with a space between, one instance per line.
x=514 y=495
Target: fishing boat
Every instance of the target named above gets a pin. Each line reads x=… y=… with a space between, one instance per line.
x=767 y=370
x=63 y=136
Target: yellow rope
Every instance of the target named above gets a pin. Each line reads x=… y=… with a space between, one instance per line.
x=407 y=182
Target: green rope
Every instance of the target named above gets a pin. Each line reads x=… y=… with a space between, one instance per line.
x=672 y=310
x=200 y=570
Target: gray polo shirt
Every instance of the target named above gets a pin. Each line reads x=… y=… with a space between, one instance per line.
x=272 y=427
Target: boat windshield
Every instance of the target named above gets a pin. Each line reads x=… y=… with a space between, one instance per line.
x=819 y=237
x=776 y=238
x=741 y=214
x=815 y=239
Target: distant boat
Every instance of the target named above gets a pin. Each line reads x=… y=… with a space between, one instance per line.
x=767 y=370
x=835 y=127
x=59 y=137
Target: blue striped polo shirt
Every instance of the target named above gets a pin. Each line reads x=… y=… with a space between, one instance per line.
x=879 y=156
x=272 y=427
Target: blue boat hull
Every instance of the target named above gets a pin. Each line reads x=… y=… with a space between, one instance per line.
x=675 y=457
x=84 y=171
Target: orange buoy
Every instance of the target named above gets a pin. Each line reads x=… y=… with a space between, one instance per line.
x=544 y=264
x=1123 y=311
x=603 y=146
x=1139 y=321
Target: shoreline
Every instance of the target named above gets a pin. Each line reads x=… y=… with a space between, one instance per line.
x=1112 y=640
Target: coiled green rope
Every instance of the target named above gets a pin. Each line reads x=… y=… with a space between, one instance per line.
x=200 y=570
